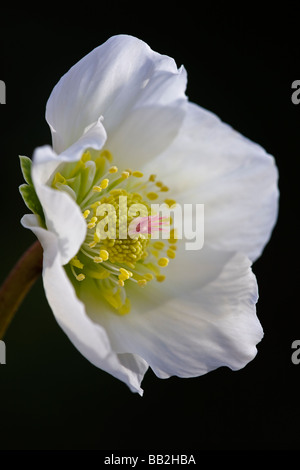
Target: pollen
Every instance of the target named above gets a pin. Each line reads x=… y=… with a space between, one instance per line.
x=86 y=213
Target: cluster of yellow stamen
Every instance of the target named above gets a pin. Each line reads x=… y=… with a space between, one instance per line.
x=114 y=260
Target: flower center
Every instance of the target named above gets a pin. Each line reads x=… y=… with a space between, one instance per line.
x=121 y=243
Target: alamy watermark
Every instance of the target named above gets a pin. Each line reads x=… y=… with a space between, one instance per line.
x=2 y=352
x=160 y=222
x=2 y=92
x=296 y=354
x=296 y=94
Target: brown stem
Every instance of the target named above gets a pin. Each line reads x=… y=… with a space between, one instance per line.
x=18 y=283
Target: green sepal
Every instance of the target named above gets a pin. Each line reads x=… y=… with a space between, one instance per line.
x=27 y=190
x=26 y=169
x=31 y=200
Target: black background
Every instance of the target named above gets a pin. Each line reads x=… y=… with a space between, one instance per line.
x=240 y=64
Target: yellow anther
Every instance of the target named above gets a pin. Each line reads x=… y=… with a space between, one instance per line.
x=125 y=273
x=113 y=169
x=75 y=262
x=97 y=189
x=152 y=195
x=138 y=174
x=170 y=202
x=142 y=282
x=80 y=277
x=92 y=222
x=106 y=154
x=148 y=276
x=92 y=244
x=171 y=254
x=121 y=282
x=159 y=184
x=104 y=183
x=160 y=278
x=158 y=245
x=96 y=238
x=163 y=262
x=152 y=178
x=104 y=255
x=95 y=205
x=125 y=174
x=98 y=259
x=129 y=171
x=86 y=213
x=164 y=189
x=173 y=247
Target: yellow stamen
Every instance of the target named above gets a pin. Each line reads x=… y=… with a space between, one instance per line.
x=121 y=282
x=126 y=274
x=152 y=178
x=148 y=276
x=75 y=262
x=158 y=245
x=80 y=277
x=170 y=202
x=97 y=189
x=152 y=196
x=98 y=259
x=95 y=205
x=96 y=238
x=104 y=183
x=104 y=255
x=142 y=282
x=86 y=213
x=113 y=169
x=164 y=189
x=163 y=262
x=171 y=254
x=137 y=174
x=160 y=278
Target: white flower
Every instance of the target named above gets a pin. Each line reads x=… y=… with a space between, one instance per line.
x=119 y=117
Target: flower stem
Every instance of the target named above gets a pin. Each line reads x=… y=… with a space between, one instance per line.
x=18 y=283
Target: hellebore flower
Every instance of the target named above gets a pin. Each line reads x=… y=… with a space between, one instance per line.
x=125 y=135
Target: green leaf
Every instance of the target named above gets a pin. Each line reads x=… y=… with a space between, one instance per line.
x=31 y=200
x=26 y=168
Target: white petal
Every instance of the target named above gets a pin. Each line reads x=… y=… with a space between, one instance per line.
x=63 y=215
x=89 y=338
x=195 y=330
x=145 y=133
x=122 y=74
x=210 y=163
